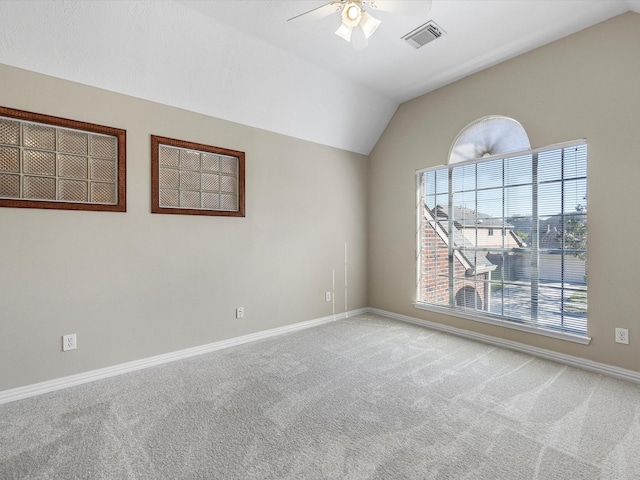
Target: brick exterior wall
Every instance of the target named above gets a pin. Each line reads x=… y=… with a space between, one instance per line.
x=435 y=274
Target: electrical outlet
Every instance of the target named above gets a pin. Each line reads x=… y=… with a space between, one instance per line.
x=622 y=335
x=69 y=342
x=327 y=296
x=240 y=312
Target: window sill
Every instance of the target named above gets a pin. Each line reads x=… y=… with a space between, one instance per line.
x=547 y=332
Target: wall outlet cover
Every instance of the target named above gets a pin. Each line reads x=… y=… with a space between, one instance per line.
x=69 y=342
x=622 y=336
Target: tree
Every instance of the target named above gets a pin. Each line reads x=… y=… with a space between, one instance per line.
x=523 y=236
x=575 y=232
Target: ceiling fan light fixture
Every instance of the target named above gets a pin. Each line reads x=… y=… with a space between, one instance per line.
x=352 y=13
x=357 y=24
x=344 y=31
x=369 y=24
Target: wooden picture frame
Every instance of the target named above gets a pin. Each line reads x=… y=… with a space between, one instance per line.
x=102 y=191
x=189 y=178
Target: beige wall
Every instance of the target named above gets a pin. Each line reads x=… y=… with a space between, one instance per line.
x=136 y=284
x=584 y=86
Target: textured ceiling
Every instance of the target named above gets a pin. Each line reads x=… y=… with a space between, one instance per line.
x=241 y=61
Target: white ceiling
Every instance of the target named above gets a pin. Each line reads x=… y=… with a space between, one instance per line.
x=241 y=61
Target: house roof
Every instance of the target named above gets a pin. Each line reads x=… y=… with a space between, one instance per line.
x=474 y=263
x=239 y=60
x=465 y=217
x=477 y=263
x=551 y=229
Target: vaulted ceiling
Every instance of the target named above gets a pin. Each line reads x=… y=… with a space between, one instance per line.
x=241 y=60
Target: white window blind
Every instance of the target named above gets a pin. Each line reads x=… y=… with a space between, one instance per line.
x=534 y=271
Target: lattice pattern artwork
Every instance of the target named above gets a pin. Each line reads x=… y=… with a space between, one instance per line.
x=9 y=186
x=9 y=159
x=50 y=163
x=200 y=180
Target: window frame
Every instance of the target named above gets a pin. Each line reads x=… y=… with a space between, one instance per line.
x=121 y=157
x=157 y=141
x=488 y=318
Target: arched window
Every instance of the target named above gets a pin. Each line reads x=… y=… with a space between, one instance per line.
x=531 y=277
x=489 y=136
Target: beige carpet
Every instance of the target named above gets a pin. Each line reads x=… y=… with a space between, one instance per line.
x=362 y=398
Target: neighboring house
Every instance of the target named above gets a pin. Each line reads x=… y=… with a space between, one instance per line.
x=481 y=229
x=473 y=270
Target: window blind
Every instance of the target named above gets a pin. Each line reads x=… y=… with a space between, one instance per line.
x=534 y=271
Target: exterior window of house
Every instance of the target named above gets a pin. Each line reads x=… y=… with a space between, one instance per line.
x=532 y=277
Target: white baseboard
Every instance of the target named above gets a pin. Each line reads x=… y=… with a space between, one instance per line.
x=583 y=363
x=20 y=393
x=355 y=313
x=27 y=391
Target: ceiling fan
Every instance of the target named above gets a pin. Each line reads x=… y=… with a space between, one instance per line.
x=357 y=23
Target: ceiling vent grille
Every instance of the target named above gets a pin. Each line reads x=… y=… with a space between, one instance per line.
x=424 y=34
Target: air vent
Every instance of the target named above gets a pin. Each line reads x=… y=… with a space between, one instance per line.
x=424 y=34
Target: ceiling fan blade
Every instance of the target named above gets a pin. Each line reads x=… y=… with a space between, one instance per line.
x=358 y=39
x=317 y=13
x=415 y=8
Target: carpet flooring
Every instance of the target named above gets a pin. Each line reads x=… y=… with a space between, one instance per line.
x=361 y=398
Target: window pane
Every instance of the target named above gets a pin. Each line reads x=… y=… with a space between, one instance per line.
x=429 y=181
x=575 y=162
x=490 y=202
x=550 y=306
x=575 y=238
x=490 y=174
x=521 y=227
x=516 y=301
x=550 y=199
x=575 y=310
x=466 y=200
x=495 y=304
x=549 y=166
x=464 y=178
x=517 y=170
x=499 y=261
x=442 y=201
x=517 y=201
x=575 y=195
x=430 y=201
x=442 y=180
x=436 y=290
x=469 y=294
x=519 y=266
